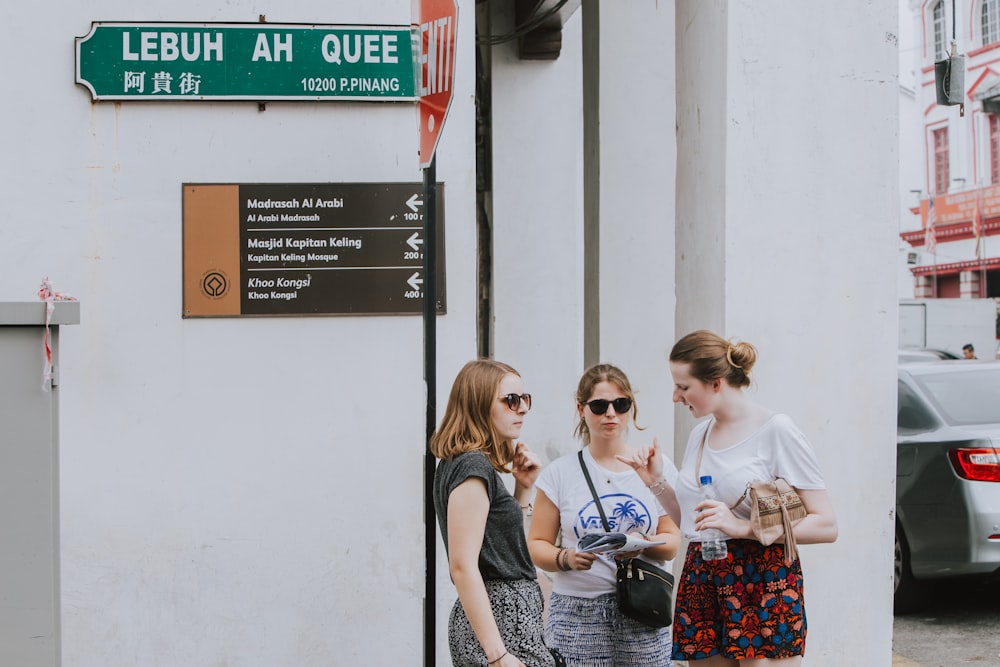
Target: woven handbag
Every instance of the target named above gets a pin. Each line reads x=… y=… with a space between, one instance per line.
x=774 y=508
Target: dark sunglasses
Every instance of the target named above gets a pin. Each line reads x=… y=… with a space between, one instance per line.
x=514 y=400
x=600 y=405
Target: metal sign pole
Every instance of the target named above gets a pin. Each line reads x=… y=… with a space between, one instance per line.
x=430 y=379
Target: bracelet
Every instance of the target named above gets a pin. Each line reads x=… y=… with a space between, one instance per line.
x=661 y=486
x=558 y=557
x=566 y=565
x=498 y=659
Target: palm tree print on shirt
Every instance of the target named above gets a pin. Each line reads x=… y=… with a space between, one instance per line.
x=625 y=514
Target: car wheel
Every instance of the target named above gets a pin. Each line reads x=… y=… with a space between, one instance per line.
x=908 y=594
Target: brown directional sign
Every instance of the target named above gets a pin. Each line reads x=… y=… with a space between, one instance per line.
x=306 y=249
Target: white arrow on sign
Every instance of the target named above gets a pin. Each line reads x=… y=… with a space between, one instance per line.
x=415 y=241
x=415 y=281
x=414 y=201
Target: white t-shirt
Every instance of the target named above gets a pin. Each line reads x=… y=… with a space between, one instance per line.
x=628 y=504
x=776 y=449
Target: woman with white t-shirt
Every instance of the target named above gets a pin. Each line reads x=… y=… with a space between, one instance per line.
x=747 y=606
x=584 y=622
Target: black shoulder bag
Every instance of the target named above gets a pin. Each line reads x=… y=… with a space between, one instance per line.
x=645 y=592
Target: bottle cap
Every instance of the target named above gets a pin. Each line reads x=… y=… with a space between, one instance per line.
x=706 y=479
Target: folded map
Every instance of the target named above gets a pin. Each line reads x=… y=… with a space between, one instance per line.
x=613 y=543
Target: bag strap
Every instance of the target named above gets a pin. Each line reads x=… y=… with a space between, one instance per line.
x=593 y=492
x=791 y=549
x=701 y=451
x=697 y=469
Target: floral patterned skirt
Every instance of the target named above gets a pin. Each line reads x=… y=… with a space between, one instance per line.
x=746 y=606
x=517 y=608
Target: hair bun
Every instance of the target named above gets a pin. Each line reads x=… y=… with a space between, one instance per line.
x=741 y=355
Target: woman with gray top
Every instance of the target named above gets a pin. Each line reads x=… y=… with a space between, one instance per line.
x=497 y=619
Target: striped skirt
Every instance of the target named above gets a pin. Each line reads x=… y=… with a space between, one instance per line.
x=594 y=633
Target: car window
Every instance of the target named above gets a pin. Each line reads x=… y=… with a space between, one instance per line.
x=912 y=415
x=971 y=397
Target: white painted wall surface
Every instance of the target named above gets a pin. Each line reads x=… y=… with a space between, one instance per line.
x=911 y=148
x=234 y=491
x=637 y=187
x=538 y=229
x=795 y=257
x=948 y=324
x=211 y=467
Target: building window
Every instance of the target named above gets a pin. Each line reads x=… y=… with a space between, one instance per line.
x=994 y=148
x=990 y=19
x=939 y=31
x=941 y=175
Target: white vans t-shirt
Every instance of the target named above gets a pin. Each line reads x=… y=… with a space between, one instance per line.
x=628 y=504
x=776 y=449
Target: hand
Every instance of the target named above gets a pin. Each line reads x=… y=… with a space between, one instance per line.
x=525 y=466
x=625 y=555
x=647 y=463
x=580 y=561
x=716 y=514
x=509 y=660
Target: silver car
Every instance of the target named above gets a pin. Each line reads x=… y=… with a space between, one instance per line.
x=947 y=474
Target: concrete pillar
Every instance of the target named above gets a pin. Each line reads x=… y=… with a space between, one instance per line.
x=969 y=284
x=537 y=227
x=923 y=287
x=629 y=195
x=29 y=484
x=787 y=239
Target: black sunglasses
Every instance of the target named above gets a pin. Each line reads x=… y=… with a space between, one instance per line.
x=514 y=400
x=600 y=405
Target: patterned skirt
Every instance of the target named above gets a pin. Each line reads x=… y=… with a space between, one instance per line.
x=746 y=606
x=517 y=607
x=592 y=632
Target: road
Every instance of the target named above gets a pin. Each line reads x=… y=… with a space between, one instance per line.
x=961 y=626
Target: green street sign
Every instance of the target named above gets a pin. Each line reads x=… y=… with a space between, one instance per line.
x=246 y=61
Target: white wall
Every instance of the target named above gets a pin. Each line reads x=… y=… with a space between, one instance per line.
x=211 y=467
x=538 y=229
x=787 y=245
x=636 y=183
x=227 y=484
x=911 y=147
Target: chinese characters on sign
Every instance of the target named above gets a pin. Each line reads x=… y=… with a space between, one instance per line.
x=187 y=83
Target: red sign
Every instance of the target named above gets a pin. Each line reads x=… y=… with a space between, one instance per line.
x=436 y=23
x=963 y=206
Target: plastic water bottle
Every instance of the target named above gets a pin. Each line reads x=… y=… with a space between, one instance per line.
x=713 y=540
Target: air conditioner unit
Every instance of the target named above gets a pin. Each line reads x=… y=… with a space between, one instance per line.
x=949 y=80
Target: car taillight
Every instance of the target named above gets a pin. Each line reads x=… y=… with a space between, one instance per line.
x=979 y=465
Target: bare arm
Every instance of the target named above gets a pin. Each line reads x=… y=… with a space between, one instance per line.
x=525 y=466
x=820 y=524
x=648 y=464
x=666 y=531
x=542 y=539
x=468 y=508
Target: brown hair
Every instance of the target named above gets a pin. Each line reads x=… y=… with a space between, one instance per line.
x=712 y=357
x=466 y=425
x=592 y=377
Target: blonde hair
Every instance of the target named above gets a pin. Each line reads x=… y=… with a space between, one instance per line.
x=467 y=425
x=592 y=377
x=712 y=357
